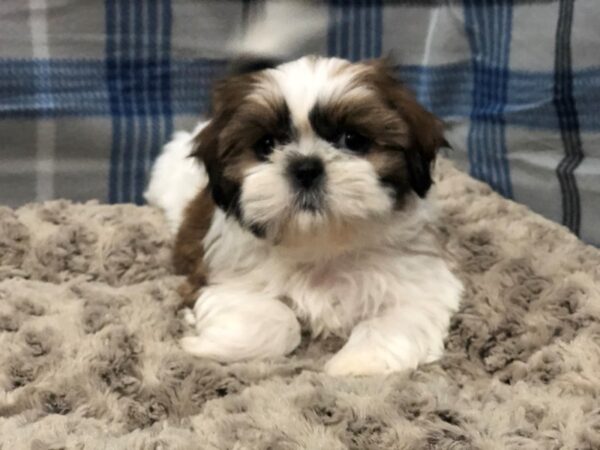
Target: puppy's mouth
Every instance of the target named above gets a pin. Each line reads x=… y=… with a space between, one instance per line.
x=311 y=201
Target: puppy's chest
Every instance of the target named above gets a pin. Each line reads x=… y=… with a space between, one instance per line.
x=331 y=295
x=334 y=295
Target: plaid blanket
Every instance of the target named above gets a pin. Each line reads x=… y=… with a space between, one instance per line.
x=90 y=90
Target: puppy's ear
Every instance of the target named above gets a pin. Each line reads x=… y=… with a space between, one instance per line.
x=227 y=95
x=426 y=130
x=214 y=145
x=428 y=138
x=206 y=149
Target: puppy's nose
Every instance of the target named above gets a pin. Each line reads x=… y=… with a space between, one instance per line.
x=307 y=172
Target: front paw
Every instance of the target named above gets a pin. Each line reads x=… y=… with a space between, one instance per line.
x=371 y=352
x=356 y=362
x=234 y=326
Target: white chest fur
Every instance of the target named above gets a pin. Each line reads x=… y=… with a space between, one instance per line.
x=334 y=293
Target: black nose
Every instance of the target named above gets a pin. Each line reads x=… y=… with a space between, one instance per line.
x=307 y=172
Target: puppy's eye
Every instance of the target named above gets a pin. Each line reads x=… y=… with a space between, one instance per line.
x=355 y=142
x=264 y=147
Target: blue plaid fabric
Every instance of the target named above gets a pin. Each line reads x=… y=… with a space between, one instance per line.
x=91 y=90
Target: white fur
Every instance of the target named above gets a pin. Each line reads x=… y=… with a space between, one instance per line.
x=230 y=325
x=358 y=268
x=306 y=80
x=176 y=178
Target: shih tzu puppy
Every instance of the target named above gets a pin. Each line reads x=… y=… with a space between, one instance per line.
x=304 y=199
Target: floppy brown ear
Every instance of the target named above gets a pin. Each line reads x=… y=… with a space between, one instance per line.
x=426 y=130
x=236 y=122
x=206 y=148
x=428 y=138
x=241 y=73
x=227 y=94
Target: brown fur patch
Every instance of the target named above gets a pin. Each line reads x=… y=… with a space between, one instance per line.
x=426 y=131
x=245 y=109
x=392 y=169
x=365 y=113
x=225 y=146
x=188 y=252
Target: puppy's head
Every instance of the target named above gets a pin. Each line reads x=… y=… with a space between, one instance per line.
x=316 y=145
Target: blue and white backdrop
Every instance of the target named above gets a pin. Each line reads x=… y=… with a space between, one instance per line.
x=90 y=89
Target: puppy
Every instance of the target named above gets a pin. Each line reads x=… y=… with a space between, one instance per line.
x=304 y=199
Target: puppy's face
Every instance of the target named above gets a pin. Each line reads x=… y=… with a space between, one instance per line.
x=316 y=146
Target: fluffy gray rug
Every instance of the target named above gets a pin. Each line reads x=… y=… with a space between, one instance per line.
x=89 y=356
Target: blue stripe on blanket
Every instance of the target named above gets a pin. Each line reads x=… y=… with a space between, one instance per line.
x=153 y=87
x=126 y=94
x=138 y=81
x=84 y=88
x=165 y=55
x=489 y=34
x=567 y=119
x=112 y=77
x=355 y=29
x=141 y=148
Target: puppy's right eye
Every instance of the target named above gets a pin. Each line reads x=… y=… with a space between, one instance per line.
x=355 y=142
x=264 y=147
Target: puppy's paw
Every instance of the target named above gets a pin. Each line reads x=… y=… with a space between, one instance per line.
x=372 y=349
x=236 y=326
x=357 y=362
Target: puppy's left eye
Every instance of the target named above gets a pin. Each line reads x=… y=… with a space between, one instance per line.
x=264 y=147
x=355 y=142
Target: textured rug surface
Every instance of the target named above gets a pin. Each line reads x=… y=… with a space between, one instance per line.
x=89 y=356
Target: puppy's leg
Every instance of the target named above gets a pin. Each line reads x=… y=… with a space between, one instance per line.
x=188 y=251
x=411 y=330
x=400 y=339
x=235 y=325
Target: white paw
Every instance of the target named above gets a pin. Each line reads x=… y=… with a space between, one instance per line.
x=375 y=349
x=356 y=363
x=236 y=326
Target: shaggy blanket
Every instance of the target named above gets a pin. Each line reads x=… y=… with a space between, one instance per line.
x=89 y=356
